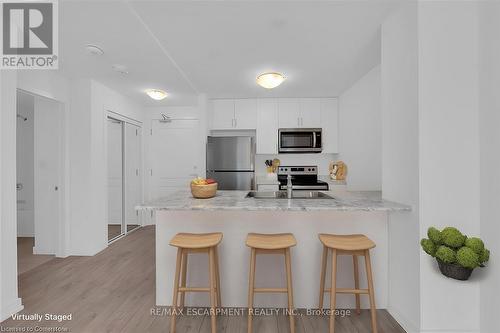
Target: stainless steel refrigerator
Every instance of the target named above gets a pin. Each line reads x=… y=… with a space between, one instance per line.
x=230 y=161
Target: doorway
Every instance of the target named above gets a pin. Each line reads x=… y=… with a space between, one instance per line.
x=124 y=177
x=39 y=168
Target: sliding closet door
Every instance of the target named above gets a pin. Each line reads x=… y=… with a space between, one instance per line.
x=115 y=179
x=133 y=175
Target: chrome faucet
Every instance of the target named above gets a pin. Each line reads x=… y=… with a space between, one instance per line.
x=289 y=186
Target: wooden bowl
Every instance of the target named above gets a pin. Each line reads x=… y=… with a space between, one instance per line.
x=204 y=191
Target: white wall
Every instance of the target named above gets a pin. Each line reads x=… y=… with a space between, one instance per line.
x=25 y=165
x=9 y=301
x=360 y=135
x=321 y=160
x=489 y=125
x=449 y=153
x=90 y=103
x=400 y=180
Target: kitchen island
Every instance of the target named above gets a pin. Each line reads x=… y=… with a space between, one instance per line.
x=235 y=215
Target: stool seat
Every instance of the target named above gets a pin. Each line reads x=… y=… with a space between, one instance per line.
x=196 y=241
x=270 y=241
x=347 y=242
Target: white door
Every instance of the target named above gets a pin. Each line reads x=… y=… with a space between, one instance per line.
x=245 y=113
x=310 y=112
x=115 y=179
x=267 y=126
x=133 y=175
x=222 y=114
x=47 y=174
x=176 y=156
x=289 y=113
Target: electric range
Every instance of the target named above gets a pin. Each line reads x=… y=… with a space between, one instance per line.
x=304 y=178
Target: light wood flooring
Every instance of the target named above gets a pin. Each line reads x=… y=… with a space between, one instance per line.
x=26 y=260
x=114 y=291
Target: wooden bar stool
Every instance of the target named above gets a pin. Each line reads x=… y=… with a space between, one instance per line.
x=196 y=243
x=355 y=245
x=270 y=244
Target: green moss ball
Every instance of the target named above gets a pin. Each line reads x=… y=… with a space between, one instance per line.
x=434 y=235
x=467 y=258
x=428 y=246
x=475 y=244
x=446 y=254
x=484 y=256
x=452 y=237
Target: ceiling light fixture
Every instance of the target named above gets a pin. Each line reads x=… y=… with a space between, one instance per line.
x=156 y=94
x=93 y=50
x=270 y=80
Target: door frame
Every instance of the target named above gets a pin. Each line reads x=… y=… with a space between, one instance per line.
x=109 y=114
x=63 y=236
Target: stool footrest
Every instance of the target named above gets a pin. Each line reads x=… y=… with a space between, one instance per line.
x=194 y=289
x=270 y=290
x=348 y=291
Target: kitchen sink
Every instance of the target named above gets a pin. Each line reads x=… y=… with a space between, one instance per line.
x=282 y=195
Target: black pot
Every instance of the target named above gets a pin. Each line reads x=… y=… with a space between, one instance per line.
x=454 y=271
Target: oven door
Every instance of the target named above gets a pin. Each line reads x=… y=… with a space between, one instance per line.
x=299 y=140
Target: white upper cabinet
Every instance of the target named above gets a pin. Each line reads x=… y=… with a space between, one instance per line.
x=222 y=114
x=310 y=112
x=245 y=113
x=234 y=114
x=267 y=115
x=289 y=112
x=299 y=112
x=267 y=126
x=330 y=125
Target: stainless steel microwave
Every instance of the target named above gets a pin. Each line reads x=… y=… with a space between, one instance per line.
x=300 y=140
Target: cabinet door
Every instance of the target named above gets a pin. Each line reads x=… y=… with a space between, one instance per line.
x=245 y=113
x=330 y=122
x=289 y=113
x=222 y=114
x=267 y=126
x=310 y=112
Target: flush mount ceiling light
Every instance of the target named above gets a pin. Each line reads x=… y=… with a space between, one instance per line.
x=93 y=50
x=156 y=94
x=270 y=80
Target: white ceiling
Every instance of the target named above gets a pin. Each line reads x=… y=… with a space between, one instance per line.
x=219 y=47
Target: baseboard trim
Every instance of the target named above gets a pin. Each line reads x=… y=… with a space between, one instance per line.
x=10 y=309
x=406 y=324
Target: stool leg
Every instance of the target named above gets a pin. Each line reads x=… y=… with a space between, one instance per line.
x=212 y=283
x=333 y=291
x=183 y=276
x=369 y=276
x=356 y=282
x=176 y=289
x=324 y=258
x=251 y=286
x=289 y=288
x=217 y=277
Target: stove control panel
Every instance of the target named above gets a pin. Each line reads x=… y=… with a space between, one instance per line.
x=298 y=170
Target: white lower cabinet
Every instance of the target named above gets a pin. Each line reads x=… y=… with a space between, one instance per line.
x=267 y=187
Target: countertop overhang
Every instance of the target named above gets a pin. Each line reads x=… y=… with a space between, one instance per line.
x=237 y=201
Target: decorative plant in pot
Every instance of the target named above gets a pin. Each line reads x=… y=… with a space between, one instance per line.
x=456 y=254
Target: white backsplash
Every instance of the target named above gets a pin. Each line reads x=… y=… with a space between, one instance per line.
x=321 y=160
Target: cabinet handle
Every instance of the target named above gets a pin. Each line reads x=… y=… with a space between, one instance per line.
x=235 y=122
x=298 y=122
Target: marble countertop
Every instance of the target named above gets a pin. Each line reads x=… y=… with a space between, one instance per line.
x=235 y=200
